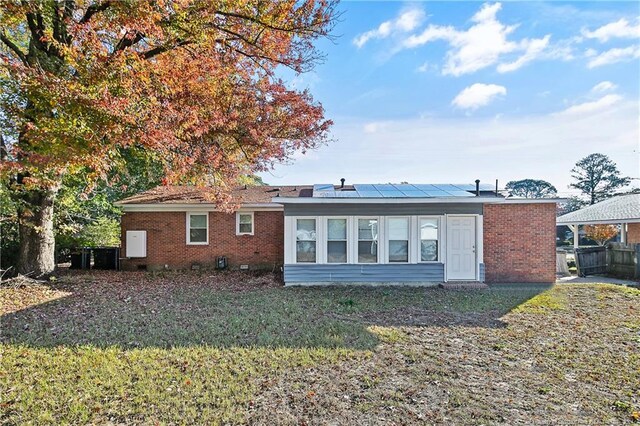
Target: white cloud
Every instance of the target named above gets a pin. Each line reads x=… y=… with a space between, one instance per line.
x=612 y=56
x=480 y=46
x=407 y=21
x=618 y=29
x=373 y=127
x=424 y=67
x=604 y=86
x=477 y=95
x=533 y=50
x=591 y=107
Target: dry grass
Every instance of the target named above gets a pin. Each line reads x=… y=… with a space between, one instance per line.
x=180 y=349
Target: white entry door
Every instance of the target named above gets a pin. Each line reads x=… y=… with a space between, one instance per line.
x=461 y=248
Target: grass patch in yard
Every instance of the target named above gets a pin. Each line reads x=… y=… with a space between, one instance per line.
x=554 y=299
x=236 y=349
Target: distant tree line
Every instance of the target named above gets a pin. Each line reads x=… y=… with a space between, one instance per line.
x=596 y=176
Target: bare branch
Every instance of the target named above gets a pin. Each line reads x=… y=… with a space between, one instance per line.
x=165 y=48
x=93 y=9
x=129 y=39
x=11 y=45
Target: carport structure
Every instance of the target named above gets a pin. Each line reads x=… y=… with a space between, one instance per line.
x=623 y=210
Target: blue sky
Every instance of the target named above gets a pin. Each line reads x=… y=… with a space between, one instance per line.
x=457 y=91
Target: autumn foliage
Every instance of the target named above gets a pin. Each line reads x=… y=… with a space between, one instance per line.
x=600 y=233
x=193 y=83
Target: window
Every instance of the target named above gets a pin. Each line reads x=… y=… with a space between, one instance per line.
x=244 y=223
x=336 y=240
x=428 y=239
x=367 y=240
x=398 y=239
x=306 y=240
x=197 y=228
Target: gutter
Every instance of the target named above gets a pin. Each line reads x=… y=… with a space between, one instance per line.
x=182 y=207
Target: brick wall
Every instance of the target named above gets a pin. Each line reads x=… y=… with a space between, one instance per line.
x=633 y=233
x=166 y=240
x=519 y=242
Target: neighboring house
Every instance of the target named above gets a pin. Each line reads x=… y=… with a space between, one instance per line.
x=358 y=233
x=623 y=210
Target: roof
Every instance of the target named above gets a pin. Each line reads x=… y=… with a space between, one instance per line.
x=265 y=196
x=405 y=190
x=198 y=195
x=619 y=209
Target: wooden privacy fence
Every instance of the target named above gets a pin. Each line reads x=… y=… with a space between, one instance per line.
x=623 y=260
x=591 y=260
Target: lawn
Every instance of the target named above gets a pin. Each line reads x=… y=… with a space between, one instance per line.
x=234 y=348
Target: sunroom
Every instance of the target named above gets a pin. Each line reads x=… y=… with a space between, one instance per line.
x=392 y=234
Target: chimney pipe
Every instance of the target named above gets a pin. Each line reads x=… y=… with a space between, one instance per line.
x=342 y=183
x=477 y=187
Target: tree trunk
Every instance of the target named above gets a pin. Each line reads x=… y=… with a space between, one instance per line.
x=35 y=227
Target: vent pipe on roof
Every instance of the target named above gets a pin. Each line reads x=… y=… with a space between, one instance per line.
x=477 y=187
x=342 y=183
x=496 y=187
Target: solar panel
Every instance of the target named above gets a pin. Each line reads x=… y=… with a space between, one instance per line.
x=403 y=190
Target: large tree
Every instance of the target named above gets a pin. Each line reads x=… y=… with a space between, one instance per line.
x=597 y=177
x=531 y=188
x=193 y=82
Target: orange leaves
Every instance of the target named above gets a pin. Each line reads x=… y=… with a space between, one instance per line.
x=600 y=233
x=190 y=81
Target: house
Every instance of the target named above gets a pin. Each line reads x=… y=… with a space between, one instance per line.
x=623 y=210
x=347 y=233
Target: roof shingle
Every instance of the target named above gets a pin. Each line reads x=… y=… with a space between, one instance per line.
x=623 y=208
x=198 y=195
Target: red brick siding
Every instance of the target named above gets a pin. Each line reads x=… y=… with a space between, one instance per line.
x=633 y=233
x=166 y=240
x=519 y=242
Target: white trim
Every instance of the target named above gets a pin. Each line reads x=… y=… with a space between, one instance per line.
x=409 y=240
x=253 y=222
x=419 y=238
x=294 y=240
x=325 y=238
x=440 y=200
x=480 y=241
x=477 y=247
x=598 y=222
x=380 y=256
x=205 y=207
x=188 y=228
x=289 y=240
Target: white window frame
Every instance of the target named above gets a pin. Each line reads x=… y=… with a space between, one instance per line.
x=253 y=222
x=439 y=239
x=409 y=240
x=356 y=240
x=319 y=246
x=325 y=238
x=188 y=227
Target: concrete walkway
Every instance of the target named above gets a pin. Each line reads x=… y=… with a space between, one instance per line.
x=574 y=279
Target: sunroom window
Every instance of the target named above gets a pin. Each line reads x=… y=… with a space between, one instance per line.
x=428 y=239
x=367 y=240
x=336 y=240
x=306 y=240
x=398 y=239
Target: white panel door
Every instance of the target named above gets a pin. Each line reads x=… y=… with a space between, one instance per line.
x=461 y=248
